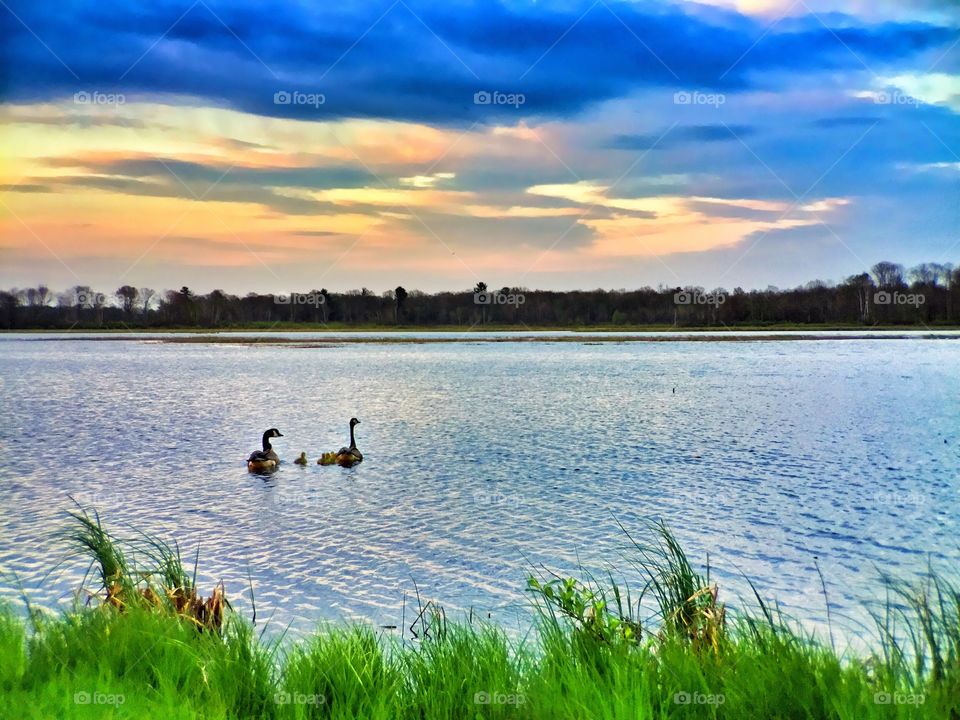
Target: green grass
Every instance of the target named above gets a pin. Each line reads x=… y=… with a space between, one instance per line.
x=596 y=650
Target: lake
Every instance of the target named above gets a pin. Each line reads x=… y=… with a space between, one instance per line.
x=484 y=460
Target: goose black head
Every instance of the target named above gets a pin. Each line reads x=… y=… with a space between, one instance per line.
x=354 y=421
x=273 y=432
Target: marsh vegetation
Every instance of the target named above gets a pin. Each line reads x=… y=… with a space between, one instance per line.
x=141 y=642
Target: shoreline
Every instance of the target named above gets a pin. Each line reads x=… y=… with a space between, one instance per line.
x=333 y=328
x=156 y=645
x=338 y=338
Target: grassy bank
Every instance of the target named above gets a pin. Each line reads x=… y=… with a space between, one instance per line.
x=327 y=340
x=489 y=327
x=148 y=645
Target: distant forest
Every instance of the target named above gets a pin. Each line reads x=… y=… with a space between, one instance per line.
x=889 y=295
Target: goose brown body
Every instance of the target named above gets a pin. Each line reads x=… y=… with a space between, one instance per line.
x=345 y=456
x=265 y=459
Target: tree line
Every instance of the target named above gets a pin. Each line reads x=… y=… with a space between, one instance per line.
x=888 y=294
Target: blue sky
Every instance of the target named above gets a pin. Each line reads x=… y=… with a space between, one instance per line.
x=552 y=144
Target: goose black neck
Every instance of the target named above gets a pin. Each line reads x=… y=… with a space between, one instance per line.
x=353 y=443
x=266 y=441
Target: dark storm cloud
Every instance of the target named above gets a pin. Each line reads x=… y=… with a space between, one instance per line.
x=415 y=60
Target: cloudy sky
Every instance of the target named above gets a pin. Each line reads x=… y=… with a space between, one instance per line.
x=552 y=144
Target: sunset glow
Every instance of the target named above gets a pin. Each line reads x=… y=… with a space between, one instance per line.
x=168 y=181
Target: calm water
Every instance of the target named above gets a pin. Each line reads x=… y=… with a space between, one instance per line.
x=484 y=459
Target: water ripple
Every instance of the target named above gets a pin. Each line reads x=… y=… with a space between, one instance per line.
x=484 y=462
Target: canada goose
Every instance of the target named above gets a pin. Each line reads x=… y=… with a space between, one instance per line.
x=345 y=456
x=265 y=459
x=302 y=460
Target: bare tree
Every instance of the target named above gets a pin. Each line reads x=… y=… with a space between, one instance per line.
x=9 y=302
x=888 y=274
x=99 y=301
x=862 y=286
x=399 y=298
x=853 y=300
x=925 y=273
x=146 y=297
x=82 y=296
x=480 y=289
x=82 y=299
x=127 y=294
x=36 y=300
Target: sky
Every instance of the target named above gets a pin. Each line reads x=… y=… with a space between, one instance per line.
x=569 y=144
